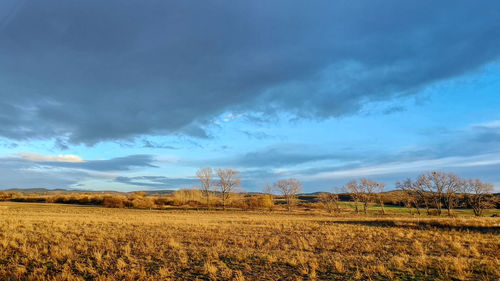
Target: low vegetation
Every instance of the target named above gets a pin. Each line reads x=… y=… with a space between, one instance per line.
x=430 y=192
x=435 y=227
x=71 y=242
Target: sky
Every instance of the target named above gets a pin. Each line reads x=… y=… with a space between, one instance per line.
x=137 y=95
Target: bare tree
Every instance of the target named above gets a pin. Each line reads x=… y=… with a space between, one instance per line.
x=477 y=195
x=379 y=187
x=422 y=195
x=289 y=188
x=205 y=176
x=453 y=186
x=432 y=195
x=330 y=201
x=228 y=180
x=416 y=201
x=354 y=190
x=437 y=184
x=408 y=195
x=367 y=188
x=408 y=201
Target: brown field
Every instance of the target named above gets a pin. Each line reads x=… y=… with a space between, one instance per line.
x=41 y=241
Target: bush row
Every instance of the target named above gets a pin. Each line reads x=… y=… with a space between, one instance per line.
x=139 y=200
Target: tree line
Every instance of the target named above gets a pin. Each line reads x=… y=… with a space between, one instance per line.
x=438 y=190
x=433 y=191
x=224 y=181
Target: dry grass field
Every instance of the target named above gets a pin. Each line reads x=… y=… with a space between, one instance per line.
x=70 y=242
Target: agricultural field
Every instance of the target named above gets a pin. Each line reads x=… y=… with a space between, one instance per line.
x=40 y=241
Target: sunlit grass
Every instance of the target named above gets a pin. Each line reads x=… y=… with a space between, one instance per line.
x=70 y=242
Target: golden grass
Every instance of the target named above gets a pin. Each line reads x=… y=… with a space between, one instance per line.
x=68 y=242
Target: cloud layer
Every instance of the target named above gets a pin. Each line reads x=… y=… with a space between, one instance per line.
x=91 y=71
x=473 y=151
x=33 y=170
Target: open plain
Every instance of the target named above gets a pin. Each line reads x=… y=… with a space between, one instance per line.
x=70 y=242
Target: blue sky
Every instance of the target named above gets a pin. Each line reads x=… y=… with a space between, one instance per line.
x=127 y=96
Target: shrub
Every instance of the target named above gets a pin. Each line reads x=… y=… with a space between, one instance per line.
x=182 y=196
x=139 y=194
x=143 y=203
x=163 y=201
x=84 y=199
x=111 y=201
x=4 y=196
x=253 y=202
x=266 y=201
x=30 y=199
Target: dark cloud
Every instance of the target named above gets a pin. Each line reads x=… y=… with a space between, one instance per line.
x=61 y=144
x=151 y=144
x=27 y=172
x=468 y=152
x=394 y=109
x=259 y=135
x=475 y=140
x=487 y=134
x=8 y=144
x=488 y=173
x=157 y=182
x=88 y=71
x=20 y=173
x=471 y=153
x=125 y=163
x=283 y=155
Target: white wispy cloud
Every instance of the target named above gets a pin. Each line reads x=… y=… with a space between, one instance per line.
x=51 y=158
x=405 y=167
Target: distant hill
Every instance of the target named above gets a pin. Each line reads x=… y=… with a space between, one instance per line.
x=41 y=190
x=45 y=191
x=313 y=193
x=159 y=192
